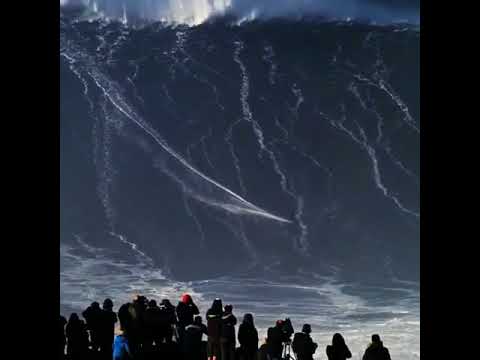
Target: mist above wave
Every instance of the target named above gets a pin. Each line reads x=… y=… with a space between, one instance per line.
x=195 y=12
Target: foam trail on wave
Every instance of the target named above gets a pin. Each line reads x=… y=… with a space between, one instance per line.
x=110 y=91
x=244 y=95
x=300 y=99
x=400 y=165
x=299 y=200
x=201 y=142
x=380 y=121
x=239 y=234
x=131 y=80
x=236 y=160
x=205 y=150
x=258 y=132
x=282 y=129
x=386 y=88
x=81 y=78
x=106 y=174
x=190 y=213
x=268 y=57
x=167 y=94
x=302 y=240
x=180 y=47
x=105 y=170
x=116 y=100
x=353 y=88
x=103 y=163
x=363 y=142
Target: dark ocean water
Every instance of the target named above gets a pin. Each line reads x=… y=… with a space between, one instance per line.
x=283 y=155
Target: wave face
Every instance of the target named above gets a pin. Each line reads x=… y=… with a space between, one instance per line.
x=195 y=12
x=220 y=148
x=281 y=154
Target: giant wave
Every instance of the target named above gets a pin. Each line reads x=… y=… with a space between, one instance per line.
x=282 y=154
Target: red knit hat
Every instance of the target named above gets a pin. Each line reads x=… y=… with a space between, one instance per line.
x=186 y=299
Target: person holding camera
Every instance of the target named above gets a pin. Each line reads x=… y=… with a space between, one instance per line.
x=303 y=345
x=276 y=337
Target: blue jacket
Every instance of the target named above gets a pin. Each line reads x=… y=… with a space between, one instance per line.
x=121 y=350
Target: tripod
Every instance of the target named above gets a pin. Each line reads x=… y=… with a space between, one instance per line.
x=287 y=352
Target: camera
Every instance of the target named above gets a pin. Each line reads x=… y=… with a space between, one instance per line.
x=287 y=329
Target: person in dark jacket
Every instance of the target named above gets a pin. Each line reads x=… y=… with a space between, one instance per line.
x=376 y=350
x=77 y=338
x=138 y=315
x=126 y=318
x=303 y=345
x=93 y=317
x=109 y=319
x=168 y=321
x=186 y=310
x=248 y=338
x=338 y=350
x=227 y=334
x=192 y=345
x=63 y=339
x=276 y=337
x=152 y=322
x=214 y=328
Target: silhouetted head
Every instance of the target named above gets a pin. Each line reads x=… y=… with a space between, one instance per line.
x=338 y=340
x=197 y=320
x=248 y=319
x=307 y=329
x=152 y=303
x=124 y=315
x=228 y=309
x=279 y=323
x=217 y=306
x=73 y=317
x=108 y=304
x=376 y=339
x=166 y=302
x=95 y=305
x=186 y=299
x=140 y=299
